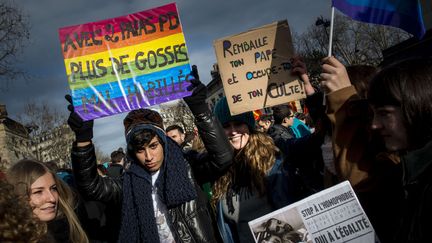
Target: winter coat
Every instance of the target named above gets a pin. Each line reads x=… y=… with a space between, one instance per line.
x=417 y=206
x=278 y=131
x=299 y=129
x=360 y=158
x=278 y=193
x=114 y=170
x=303 y=156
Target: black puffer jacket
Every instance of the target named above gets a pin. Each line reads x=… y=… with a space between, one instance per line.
x=191 y=220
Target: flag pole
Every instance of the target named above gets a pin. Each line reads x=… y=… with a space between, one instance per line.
x=331 y=32
x=330 y=41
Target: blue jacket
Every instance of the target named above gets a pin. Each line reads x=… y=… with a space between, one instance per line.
x=299 y=128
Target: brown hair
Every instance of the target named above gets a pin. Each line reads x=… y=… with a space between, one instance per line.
x=25 y=172
x=142 y=116
x=117 y=156
x=280 y=112
x=360 y=76
x=408 y=85
x=251 y=164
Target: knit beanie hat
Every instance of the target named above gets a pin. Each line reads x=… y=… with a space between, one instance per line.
x=222 y=112
x=142 y=116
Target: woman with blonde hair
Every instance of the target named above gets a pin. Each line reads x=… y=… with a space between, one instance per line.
x=255 y=184
x=51 y=200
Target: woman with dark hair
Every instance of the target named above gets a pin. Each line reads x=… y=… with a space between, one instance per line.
x=358 y=155
x=51 y=200
x=401 y=99
x=376 y=152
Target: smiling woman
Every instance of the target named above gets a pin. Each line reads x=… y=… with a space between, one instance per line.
x=44 y=197
x=51 y=199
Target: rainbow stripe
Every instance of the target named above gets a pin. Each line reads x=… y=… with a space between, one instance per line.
x=126 y=63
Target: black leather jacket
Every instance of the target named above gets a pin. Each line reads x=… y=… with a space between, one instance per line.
x=191 y=220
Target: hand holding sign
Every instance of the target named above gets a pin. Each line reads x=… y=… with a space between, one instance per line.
x=197 y=101
x=255 y=68
x=83 y=129
x=299 y=68
x=126 y=63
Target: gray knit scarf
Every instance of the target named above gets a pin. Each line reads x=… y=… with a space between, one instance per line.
x=173 y=185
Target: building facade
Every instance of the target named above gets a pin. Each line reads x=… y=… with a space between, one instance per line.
x=15 y=142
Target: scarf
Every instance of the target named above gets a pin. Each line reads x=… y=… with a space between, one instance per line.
x=138 y=223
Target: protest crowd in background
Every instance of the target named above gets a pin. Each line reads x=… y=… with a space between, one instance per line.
x=370 y=126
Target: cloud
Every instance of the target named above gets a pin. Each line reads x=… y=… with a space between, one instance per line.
x=203 y=22
x=109 y=133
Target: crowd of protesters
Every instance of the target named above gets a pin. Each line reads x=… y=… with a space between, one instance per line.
x=166 y=188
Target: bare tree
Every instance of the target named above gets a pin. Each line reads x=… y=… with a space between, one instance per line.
x=40 y=117
x=50 y=135
x=55 y=144
x=353 y=42
x=14 y=31
x=101 y=156
x=178 y=114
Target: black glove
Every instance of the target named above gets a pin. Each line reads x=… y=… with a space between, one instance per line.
x=197 y=101
x=83 y=129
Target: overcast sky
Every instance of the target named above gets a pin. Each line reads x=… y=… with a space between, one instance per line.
x=203 y=21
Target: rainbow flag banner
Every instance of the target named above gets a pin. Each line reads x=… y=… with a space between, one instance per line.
x=126 y=63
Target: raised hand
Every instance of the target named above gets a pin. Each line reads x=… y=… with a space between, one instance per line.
x=334 y=75
x=83 y=129
x=299 y=69
x=197 y=101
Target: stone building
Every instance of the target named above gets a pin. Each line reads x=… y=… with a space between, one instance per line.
x=15 y=142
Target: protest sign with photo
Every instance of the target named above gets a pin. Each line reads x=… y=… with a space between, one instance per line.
x=125 y=63
x=255 y=68
x=332 y=215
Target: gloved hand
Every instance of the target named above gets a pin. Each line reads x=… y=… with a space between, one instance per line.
x=197 y=101
x=83 y=129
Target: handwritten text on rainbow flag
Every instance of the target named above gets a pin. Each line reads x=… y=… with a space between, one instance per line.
x=126 y=63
